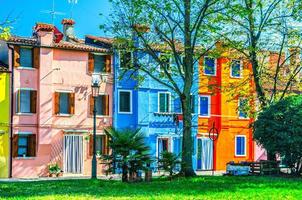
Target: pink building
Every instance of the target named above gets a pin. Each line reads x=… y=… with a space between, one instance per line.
x=52 y=104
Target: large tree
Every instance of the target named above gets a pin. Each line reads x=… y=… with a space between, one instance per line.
x=182 y=30
x=282 y=121
x=268 y=34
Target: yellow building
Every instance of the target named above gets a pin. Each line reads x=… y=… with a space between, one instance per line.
x=4 y=121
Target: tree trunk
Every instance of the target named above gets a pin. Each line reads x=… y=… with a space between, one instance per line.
x=187 y=144
x=125 y=172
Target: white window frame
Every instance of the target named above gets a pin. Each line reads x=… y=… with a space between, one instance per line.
x=121 y=112
x=119 y=60
x=209 y=106
x=215 y=66
x=241 y=69
x=158 y=102
x=237 y=136
x=23 y=67
x=247 y=117
x=170 y=141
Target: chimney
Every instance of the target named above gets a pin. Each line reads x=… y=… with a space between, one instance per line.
x=68 y=29
x=44 y=33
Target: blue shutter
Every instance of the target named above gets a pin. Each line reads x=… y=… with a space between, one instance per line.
x=235 y=67
x=204 y=103
x=209 y=67
x=26 y=57
x=177 y=105
x=240 y=145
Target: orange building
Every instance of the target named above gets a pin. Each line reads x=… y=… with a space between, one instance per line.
x=225 y=102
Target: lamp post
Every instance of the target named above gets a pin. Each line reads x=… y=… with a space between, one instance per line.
x=97 y=79
x=95 y=87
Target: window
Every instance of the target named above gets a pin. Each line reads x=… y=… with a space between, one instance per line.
x=240 y=146
x=164 y=102
x=64 y=103
x=24 y=145
x=26 y=101
x=101 y=145
x=125 y=101
x=99 y=63
x=209 y=66
x=26 y=57
x=165 y=59
x=204 y=106
x=102 y=105
x=236 y=69
x=125 y=59
x=163 y=145
x=242 y=108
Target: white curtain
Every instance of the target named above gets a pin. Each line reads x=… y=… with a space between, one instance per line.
x=207 y=154
x=73 y=154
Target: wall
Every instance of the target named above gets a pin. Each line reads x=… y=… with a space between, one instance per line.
x=224 y=112
x=4 y=124
x=60 y=70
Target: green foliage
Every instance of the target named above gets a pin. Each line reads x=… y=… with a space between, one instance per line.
x=130 y=152
x=279 y=130
x=54 y=169
x=168 y=161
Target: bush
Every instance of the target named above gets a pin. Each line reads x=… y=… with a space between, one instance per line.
x=130 y=152
x=168 y=162
x=279 y=130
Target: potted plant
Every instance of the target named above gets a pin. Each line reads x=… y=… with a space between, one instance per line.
x=54 y=170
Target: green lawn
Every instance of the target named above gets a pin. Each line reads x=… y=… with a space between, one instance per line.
x=196 y=188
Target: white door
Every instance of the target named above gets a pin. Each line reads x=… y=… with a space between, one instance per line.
x=204 y=154
x=73 y=154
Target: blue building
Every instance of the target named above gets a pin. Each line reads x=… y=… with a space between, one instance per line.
x=148 y=105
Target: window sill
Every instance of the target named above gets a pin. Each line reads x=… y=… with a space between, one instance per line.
x=164 y=113
x=235 y=77
x=25 y=114
x=125 y=113
x=209 y=74
x=240 y=156
x=243 y=118
x=26 y=68
x=63 y=115
x=25 y=158
x=202 y=116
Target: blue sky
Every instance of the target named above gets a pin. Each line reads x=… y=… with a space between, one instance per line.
x=86 y=13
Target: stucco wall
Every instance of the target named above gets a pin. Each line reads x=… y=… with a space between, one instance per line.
x=60 y=70
x=4 y=124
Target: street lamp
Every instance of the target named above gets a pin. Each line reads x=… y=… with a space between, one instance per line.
x=95 y=88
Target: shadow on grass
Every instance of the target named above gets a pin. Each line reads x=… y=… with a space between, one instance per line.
x=192 y=187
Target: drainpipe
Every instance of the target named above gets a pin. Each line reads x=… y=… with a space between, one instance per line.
x=11 y=113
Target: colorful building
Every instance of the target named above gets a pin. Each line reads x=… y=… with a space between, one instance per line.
x=4 y=120
x=52 y=104
x=225 y=85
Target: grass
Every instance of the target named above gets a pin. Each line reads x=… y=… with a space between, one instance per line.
x=205 y=187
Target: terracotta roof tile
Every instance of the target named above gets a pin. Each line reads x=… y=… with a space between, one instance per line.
x=105 y=40
x=68 y=21
x=44 y=27
x=75 y=45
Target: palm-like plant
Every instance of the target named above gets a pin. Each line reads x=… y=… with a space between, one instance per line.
x=168 y=161
x=130 y=152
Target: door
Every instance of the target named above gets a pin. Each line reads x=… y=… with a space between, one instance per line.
x=204 y=154
x=73 y=154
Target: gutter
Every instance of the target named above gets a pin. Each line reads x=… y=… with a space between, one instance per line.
x=11 y=113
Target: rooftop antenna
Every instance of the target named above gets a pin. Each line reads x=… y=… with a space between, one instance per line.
x=72 y=2
x=52 y=12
